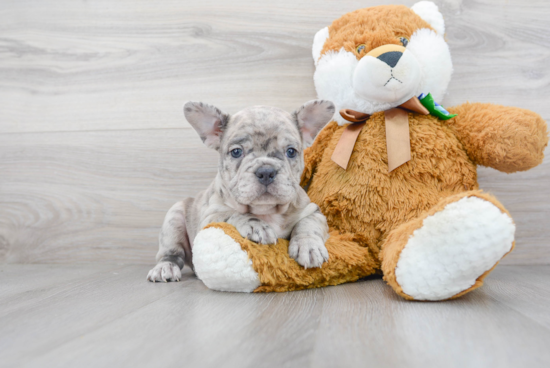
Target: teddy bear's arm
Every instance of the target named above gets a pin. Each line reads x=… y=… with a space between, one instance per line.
x=314 y=154
x=508 y=139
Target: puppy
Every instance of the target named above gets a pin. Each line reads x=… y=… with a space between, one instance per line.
x=257 y=187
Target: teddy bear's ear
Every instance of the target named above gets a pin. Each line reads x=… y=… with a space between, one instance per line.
x=429 y=12
x=318 y=43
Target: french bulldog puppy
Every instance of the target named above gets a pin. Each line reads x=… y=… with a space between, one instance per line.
x=257 y=187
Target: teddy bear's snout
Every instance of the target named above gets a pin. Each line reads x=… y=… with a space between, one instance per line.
x=389 y=54
x=387 y=50
x=389 y=74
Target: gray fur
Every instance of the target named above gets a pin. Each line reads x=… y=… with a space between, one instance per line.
x=260 y=212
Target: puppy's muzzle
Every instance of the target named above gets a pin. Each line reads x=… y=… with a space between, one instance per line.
x=266 y=174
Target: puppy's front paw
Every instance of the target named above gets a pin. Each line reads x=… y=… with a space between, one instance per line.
x=258 y=231
x=165 y=271
x=308 y=252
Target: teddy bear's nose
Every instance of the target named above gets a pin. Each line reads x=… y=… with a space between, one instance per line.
x=391 y=58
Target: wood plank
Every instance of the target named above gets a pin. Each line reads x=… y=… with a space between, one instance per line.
x=525 y=289
x=93 y=145
x=213 y=322
x=95 y=196
x=98 y=65
x=473 y=331
x=116 y=318
x=22 y=285
x=81 y=305
x=138 y=74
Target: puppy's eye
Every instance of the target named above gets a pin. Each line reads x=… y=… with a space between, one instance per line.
x=404 y=41
x=291 y=153
x=360 y=48
x=237 y=152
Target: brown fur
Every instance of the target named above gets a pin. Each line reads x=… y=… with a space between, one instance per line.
x=398 y=238
x=372 y=27
x=442 y=170
x=439 y=167
x=371 y=212
x=508 y=139
x=278 y=272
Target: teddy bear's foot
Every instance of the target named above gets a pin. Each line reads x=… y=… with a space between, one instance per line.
x=221 y=263
x=449 y=250
x=226 y=261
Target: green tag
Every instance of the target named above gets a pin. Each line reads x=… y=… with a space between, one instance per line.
x=434 y=108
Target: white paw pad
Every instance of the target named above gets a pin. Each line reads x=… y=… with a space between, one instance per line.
x=453 y=248
x=221 y=264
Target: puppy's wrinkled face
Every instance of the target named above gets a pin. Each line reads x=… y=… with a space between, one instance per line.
x=261 y=156
x=261 y=148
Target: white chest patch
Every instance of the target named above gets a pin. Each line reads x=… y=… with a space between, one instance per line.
x=279 y=224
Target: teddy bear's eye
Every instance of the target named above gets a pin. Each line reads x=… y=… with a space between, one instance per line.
x=404 y=41
x=360 y=48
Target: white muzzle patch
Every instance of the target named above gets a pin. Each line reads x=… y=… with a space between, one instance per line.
x=370 y=84
x=377 y=80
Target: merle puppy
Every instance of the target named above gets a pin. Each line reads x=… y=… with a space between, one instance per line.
x=257 y=188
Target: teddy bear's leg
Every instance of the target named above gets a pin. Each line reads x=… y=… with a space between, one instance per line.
x=225 y=261
x=221 y=263
x=447 y=251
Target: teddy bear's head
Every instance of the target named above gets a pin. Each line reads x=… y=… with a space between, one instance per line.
x=377 y=58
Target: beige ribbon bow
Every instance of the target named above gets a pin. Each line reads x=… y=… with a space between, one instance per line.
x=397 y=134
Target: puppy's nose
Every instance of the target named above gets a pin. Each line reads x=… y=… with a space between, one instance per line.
x=391 y=58
x=266 y=174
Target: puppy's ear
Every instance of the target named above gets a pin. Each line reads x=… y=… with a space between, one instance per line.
x=208 y=121
x=312 y=117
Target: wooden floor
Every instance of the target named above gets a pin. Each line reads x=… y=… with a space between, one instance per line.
x=109 y=316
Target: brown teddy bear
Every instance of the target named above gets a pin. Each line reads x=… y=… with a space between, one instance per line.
x=394 y=173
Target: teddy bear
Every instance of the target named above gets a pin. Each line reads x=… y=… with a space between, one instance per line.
x=394 y=172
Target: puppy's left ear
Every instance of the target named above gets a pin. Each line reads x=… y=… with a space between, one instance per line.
x=208 y=121
x=312 y=117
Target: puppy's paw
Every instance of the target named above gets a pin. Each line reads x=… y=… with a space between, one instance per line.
x=309 y=252
x=165 y=271
x=258 y=231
